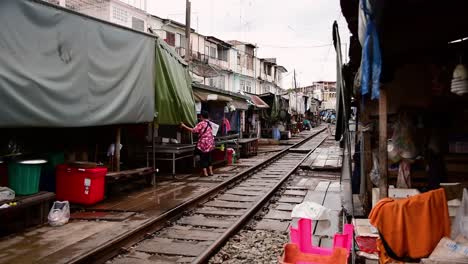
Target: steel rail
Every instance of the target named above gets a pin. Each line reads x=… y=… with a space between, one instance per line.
x=106 y=251
x=213 y=248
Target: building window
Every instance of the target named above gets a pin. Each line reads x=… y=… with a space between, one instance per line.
x=213 y=52
x=238 y=58
x=212 y=82
x=242 y=85
x=249 y=65
x=138 y=24
x=183 y=40
x=170 y=38
x=221 y=82
x=120 y=14
x=222 y=53
x=248 y=86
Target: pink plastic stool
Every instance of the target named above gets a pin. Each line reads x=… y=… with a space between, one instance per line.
x=302 y=236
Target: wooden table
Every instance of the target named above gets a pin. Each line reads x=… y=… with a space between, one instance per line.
x=125 y=174
x=248 y=147
x=173 y=153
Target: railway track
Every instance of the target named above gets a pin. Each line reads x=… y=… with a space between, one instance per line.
x=195 y=230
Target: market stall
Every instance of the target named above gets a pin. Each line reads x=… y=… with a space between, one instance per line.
x=76 y=111
x=412 y=106
x=225 y=110
x=252 y=116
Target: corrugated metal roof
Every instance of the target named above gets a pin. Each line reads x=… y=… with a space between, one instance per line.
x=258 y=102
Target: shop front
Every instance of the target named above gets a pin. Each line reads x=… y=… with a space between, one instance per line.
x=410 y=88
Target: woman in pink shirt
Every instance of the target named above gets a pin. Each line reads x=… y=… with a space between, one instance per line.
x=205 y=143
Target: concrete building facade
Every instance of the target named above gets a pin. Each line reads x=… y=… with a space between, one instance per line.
x=229 y=65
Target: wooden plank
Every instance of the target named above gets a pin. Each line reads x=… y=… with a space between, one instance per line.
x=322 y=186
x=278 y=215
x=366 y=158
x=129 y=172
x=293 y=200
x=198 y=220
x=225 y=204
x=333 y=201
x=104 y=216
x=170 y=247
x=273 y=225
x=236 y=198
x=295 y=193
x=219 y=212
x=383 y=154
x=285 y=207
x=190 y=234
x=328 y=227
x=315 y=196
x=241 y=192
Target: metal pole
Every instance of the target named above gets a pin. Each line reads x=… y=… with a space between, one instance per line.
x=187 y=30
x=295 y=90
x=117 y=148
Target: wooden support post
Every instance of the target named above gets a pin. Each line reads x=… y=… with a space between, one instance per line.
x=117 y=148
x=366 y=156
x=383 y=158
x=153 y=147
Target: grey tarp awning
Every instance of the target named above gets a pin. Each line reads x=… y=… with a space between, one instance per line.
x=61 y=69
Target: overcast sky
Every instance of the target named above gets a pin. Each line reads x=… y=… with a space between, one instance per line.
x=297 y=32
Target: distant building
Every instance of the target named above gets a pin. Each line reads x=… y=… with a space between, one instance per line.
x=325 y=91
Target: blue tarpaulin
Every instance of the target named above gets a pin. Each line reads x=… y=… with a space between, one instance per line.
x=371 y=57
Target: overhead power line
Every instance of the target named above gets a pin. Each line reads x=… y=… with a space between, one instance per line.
x=296 y=47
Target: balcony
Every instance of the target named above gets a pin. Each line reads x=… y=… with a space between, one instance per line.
x=180 y=51
x=200 y=57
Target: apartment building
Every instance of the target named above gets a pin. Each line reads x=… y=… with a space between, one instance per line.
x=114 y=11
x=229 y=65
x=324 y=91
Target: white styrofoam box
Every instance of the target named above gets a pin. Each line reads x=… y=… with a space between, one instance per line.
x=395 y=193
x=453 y=206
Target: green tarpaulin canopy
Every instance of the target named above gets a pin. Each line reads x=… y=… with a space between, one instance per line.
x=174 y=101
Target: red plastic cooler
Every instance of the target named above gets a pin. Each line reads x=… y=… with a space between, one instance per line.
x=80 y=185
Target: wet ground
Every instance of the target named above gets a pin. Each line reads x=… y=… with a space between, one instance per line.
x=262 y=240
x=62 y=244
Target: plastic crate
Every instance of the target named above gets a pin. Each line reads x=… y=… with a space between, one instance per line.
x=80 y=185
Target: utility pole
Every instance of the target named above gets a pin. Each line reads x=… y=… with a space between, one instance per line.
x=188 y=7
x=295 y=90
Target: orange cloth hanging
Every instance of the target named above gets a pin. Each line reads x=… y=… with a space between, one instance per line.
x=412 y=227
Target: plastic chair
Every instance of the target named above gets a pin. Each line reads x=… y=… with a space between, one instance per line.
x=292 y=255
x=302 y=236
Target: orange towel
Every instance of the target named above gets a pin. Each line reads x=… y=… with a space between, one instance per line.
x=412 y=227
